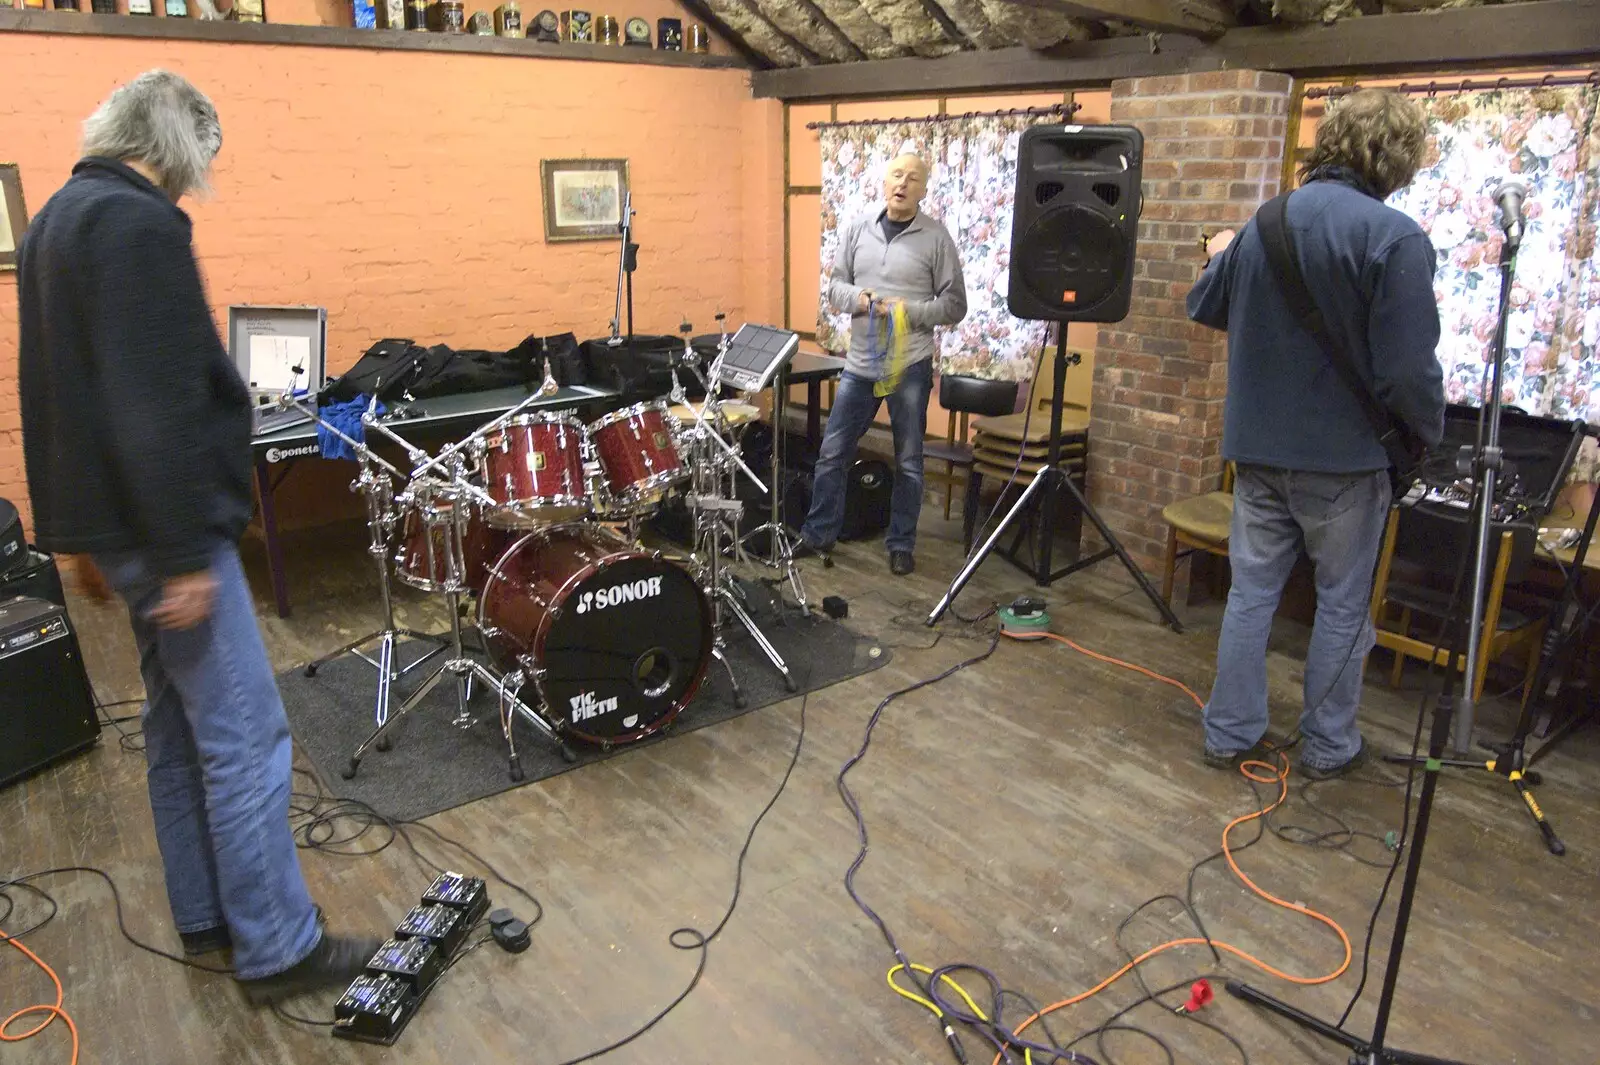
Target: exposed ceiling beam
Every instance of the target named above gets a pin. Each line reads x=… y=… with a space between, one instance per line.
x=1203 y=17
x=1507 y=35
x=821 y=16
x=703 y=13
x=754 y=8
x=946 y=23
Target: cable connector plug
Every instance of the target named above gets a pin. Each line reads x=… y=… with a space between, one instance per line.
x=1200 y=996
x=955 y=1045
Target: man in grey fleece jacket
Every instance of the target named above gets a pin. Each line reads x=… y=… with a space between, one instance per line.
x=893 y=257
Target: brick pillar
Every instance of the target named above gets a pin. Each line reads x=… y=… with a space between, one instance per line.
x=1214 y=146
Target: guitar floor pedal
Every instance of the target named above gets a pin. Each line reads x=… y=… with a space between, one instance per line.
x=417 y=962
x=374 y=1009
x=466 y=894
x=442 y=926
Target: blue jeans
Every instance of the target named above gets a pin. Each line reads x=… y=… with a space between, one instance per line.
x=218 y=750
x=1339 y=520
x=854 y=408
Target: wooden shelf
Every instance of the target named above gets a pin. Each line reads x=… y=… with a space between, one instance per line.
x=175 y=29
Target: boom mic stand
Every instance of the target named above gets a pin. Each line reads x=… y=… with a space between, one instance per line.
x=1051 y=478
x=1483 y=465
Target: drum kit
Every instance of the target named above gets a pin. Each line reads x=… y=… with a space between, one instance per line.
x=588 y=634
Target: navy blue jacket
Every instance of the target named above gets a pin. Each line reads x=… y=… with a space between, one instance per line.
x=1370 y=269
x=135 y=424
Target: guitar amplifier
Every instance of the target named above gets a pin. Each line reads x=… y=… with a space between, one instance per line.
x=47 y=709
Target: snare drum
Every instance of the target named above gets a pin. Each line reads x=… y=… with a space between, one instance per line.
x=533 y=469
x=435 y=557
x=638 y=452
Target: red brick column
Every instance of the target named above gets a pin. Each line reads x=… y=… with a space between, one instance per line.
x=1214 y=146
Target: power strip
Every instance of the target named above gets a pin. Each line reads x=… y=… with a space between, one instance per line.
x=378 y=1004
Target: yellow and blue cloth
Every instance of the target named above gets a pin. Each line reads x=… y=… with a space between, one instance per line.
x=887 y=334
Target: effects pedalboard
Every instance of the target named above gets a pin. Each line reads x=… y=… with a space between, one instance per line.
x=379 y=1003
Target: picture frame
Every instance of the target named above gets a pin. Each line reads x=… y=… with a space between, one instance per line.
x=583 y=198
x=13 y=215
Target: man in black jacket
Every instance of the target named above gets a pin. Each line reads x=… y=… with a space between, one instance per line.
x=136 y=434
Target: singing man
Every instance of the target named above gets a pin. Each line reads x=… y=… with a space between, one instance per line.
x=898 y=274
x=1312 y=473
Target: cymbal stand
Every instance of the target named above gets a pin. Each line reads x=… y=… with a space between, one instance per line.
x=716 y=518
x=376 y=485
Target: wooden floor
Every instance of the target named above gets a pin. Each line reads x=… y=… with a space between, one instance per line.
x=1019 y=811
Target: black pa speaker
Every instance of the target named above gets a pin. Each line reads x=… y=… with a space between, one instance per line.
x=1075 y=223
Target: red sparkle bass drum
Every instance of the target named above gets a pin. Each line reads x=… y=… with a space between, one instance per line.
x=616 y=640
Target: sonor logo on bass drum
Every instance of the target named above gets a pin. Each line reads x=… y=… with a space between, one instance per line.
x=587 y=705
x=645 y=588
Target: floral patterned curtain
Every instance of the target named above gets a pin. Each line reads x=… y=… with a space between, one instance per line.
x=1548 y=140
x=974 y=163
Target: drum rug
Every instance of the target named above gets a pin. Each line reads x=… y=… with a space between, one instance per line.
x=434 y=766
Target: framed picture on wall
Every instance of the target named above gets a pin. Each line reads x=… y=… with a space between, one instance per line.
x=583 y=198
x=13 y=215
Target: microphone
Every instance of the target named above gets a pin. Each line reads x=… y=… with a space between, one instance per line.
x=1510 y=196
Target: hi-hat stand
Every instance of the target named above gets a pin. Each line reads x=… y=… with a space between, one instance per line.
x=1050 y=480
x=1484 y=464
x=716 y=509
x=376 y=484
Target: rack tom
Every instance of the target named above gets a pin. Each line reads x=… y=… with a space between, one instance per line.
x=533 y=470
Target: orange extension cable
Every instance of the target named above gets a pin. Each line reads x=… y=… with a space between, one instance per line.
x=1280 y=776
x=51 y=1012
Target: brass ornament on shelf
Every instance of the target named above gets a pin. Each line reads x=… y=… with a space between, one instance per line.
x=606 y=30
x=577 y=26
x=699 y=39
x=480 y=24
x=508 y=19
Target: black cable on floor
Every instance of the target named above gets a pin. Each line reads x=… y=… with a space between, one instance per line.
x=693 y=938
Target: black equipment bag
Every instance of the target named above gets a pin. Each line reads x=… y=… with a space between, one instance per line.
x=36 y=577
x=639 y=368
x=1406 y=453
x=396 y=368
x=13 y=547
x=868 y=487
x=566 y=361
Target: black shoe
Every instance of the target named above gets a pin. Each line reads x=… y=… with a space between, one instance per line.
x=1266 y=749
x=1356 y=761
x=206 y=941
x=333 y=962
x=804 y=548
x=901 y=563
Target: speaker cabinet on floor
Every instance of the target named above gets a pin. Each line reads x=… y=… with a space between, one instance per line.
x=1076 y=223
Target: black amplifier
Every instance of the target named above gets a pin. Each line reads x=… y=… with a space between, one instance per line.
x=46 y=706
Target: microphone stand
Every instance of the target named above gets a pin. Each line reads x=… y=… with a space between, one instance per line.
x=627 y=262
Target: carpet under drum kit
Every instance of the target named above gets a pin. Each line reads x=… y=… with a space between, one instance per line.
x=589 y=635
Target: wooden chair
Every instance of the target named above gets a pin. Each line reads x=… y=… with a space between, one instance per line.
x=1396 y=606
x=1198 y=523
x=955 y=451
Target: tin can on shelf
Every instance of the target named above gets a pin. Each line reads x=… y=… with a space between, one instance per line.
x=699 y=39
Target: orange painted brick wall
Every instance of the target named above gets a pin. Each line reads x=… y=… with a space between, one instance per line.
x=400 y=190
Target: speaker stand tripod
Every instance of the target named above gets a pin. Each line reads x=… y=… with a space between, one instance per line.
x=1050 y=480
